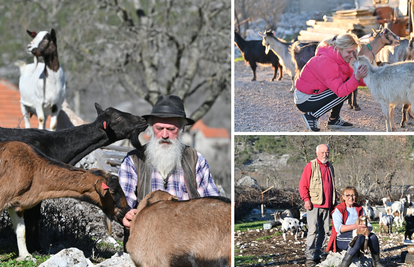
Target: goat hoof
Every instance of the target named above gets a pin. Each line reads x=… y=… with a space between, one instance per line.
x=357 y=108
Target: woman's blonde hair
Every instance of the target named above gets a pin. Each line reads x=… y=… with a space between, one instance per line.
x=342 y=41
x=349 y=188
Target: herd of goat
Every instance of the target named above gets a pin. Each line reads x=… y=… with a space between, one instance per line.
x=295 y=222
x=390 y=76
x=37 y=164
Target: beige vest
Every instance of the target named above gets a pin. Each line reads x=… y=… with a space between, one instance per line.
x=316 y=185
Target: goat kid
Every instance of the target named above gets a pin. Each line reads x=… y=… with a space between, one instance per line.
x=42 y=85
x=396 y=209
x=390 y=85
x=167 y=232
x=282 y=49
x=385 y=222
x=362 y=220
x=71 y=145
x=31 y=177
x=254 y=52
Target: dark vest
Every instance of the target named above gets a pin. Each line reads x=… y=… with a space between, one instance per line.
x=144 y=171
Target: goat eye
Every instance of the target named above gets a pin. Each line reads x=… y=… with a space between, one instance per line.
x=119 y=118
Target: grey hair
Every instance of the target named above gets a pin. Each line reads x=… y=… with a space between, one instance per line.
x=329 y=149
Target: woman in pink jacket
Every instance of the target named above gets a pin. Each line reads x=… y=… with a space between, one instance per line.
x=327 y=80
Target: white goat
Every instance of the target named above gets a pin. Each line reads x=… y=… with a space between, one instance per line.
x=396 y=207
x=385 y=221
x=392 y=54
x=283 y=49
x=390 y=85
x=42 y=85
x=368 y=210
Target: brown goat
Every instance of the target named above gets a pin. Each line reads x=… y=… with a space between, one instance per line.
x=28 y=177
x=362 y=220
x=167 y=232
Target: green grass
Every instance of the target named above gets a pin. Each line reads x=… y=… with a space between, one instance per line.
x=9 y=260
x=249 y=226
x=238 y=59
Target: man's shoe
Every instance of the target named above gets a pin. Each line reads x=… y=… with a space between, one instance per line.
x=311 y=122
x=338 y=123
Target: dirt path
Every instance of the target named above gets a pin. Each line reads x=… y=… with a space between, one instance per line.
x=266 y=106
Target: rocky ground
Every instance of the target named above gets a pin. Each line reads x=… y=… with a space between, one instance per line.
x=67 y=223
x=274 y=251
x=266 y=106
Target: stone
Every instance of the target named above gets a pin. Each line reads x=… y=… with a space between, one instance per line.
x=71 y=257
x=335 y=259
x=118 y=259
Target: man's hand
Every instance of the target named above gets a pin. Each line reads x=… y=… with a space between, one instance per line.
x=126 y=221
x=308 y=205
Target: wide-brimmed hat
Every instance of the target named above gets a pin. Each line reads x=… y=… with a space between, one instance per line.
x=170 y=106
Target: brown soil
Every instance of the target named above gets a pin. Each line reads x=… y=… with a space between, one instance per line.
x=276 y=252
x=266 y=106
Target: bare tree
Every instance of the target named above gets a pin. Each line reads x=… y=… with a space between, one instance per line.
x=147 y=48
x=269 y=11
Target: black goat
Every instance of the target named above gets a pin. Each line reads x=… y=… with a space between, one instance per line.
x=301 y=53
x=71 y=145
x=254 y=52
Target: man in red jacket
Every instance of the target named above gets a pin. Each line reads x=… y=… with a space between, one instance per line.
x=317 y=189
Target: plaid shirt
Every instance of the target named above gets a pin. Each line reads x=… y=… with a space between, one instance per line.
x=176 y=184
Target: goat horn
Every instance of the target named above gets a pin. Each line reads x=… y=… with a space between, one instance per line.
x=261 y=34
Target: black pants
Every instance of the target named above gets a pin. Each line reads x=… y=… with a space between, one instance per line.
x=321 y=103
x=373 y=244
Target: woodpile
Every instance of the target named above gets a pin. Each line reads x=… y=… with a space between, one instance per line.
x=359 y=21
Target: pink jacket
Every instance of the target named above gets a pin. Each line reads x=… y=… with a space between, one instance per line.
x=327 y=70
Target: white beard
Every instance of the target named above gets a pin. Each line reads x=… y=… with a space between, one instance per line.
x=164 y=157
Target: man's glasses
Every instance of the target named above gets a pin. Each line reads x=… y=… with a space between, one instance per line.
x=349 y=195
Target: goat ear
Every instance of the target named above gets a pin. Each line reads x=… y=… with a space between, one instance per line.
x=102 y=190
x=53 y=36
x=98 y=109
x=32 y=34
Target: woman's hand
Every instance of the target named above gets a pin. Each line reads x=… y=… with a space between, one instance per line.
x=360 y=227
x=126 y=221
x=361 y=72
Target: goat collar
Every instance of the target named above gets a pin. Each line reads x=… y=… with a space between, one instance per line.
x=370 y=49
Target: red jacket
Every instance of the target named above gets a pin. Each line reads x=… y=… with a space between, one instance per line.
x=342 y=209
x=327 y=70
x=327 y=184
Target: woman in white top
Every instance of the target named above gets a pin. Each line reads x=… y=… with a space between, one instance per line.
x=344 y=219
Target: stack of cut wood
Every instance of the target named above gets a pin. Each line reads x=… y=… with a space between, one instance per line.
x=340 y=22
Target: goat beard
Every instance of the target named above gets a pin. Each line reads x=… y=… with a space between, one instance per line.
x=164 y=157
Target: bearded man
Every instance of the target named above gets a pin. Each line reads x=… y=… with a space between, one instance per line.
x=165 y=163
x=317 y=189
